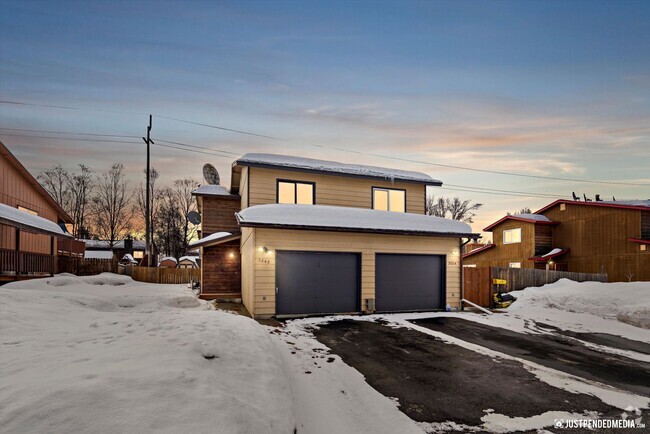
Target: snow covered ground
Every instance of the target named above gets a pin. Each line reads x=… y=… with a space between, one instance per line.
x=107 y=354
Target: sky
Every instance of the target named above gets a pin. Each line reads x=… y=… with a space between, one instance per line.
x=555 y=89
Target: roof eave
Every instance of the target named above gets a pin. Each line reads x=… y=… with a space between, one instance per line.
x=217 y=241
x=32 y=229
x=537 y=222
x=432 y=183
x=479 y=250
x=597 y=204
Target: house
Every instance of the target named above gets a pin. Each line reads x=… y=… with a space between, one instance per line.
x=297 y=236
x=101 y=249
x=189 y=262
x=33 y=231
x=587 y=237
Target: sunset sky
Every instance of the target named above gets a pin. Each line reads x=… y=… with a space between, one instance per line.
x=549 y=88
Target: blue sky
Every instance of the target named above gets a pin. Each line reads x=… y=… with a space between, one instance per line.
x=547 y=88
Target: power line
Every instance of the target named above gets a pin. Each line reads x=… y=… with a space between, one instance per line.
x=217 y=127
x=68 y=132
x=503 y=194
x=548 y=195
x=70 y=107
x=199 y=147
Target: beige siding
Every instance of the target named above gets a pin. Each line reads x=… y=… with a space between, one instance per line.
x=262 y=282
x=330 y=189
x=247 y=269
x=243 y=187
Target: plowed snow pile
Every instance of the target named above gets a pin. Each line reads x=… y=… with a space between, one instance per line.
x=105 y=354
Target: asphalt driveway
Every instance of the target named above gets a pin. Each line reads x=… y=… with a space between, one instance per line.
x=437 y=382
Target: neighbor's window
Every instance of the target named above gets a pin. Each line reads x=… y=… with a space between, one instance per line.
x=388 y=199
x=469 y=265
x=27 y=210
x=512 y=236
x=296 y=192
x=138 y=254
x=514 y=265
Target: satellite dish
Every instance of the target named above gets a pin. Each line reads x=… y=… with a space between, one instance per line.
x=194 y=217
x=210 y=174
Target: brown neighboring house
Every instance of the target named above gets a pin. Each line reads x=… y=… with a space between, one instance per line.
x=588 y=237
x=32 y=225
x=296 y=236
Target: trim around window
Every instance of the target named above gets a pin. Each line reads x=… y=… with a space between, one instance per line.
x=514 y=236
x=295 y=187
x=388 y=190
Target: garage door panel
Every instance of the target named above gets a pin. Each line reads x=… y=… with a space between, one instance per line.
x=311 y=282
x=409 y=282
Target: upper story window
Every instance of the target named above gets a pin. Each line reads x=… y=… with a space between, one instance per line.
x=512 y=236
x=27 y=210
x=514 y=265
x=296 y=192
x=389 y=199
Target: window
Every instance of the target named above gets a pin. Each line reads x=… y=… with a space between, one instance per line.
x=27 y=210
x=514 y=265
x=138 y=254
x=512 y=236
x=296 y=192
x=388 y=199
x=469 y=265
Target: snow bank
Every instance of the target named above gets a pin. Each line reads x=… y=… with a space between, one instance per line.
x=106 y=354
x=625 y=302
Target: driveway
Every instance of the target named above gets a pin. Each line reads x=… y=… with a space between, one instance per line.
x=436 y=382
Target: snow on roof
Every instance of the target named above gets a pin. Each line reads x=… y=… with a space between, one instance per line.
x=33 y=221
x=168 y=258
x=335 y=167
x=536 y=217
x=188 y=258
x=98 y=254
x=552 y=252
x=628 y=202
x=212 y=237
x=128 y=257
x=105 y=244
x=212 y=190
x=348 y=218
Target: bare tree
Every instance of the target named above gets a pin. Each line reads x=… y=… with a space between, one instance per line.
x=111 y=205
x=56 y=181
x=455 y=208
x=80 y=186
x=186 y=202
x=524 y=210
x=169 y=228
x=140 y=207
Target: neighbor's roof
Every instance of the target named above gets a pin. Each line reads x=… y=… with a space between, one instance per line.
x=213 y=190
x=4 y=151
x=550 y=255
x=106 y=245
x=28 y=222
x=530 y=218
x=338 y=218
x=215 y=238
x=98 y=254
x=641 y=204
x=192 y=259
x=312 y=165
x=479 y=250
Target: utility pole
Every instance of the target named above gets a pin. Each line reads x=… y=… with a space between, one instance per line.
x=148 y=251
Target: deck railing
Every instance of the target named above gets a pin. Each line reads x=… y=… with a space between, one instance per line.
x=16 y=263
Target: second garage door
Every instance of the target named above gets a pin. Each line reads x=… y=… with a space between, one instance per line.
x=409 y=282
x=317 y=283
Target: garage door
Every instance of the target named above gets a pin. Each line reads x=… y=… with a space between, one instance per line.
x=317 y=283
x=409 y=282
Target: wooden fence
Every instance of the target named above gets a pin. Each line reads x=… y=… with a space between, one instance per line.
x=23 y=264
x=163 y=275
x=85 y=267
x=479 y=286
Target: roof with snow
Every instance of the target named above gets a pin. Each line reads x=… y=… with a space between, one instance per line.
x=640 y=204
x=215 y=238
x=530 y=218
x=28 y=222
x=192 y=259
x=98 y=254
x=338 y=218
x=106 y=245
x=333 y=167
x=550 y=255
x=128 y=258
x=213 y=190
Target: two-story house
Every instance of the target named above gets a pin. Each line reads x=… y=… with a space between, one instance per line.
x=296 y=236
x=587 y=237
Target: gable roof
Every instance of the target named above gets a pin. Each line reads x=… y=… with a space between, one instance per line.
x=287 y=162
x=641 y=205
x=349 y=219
x=537 y=219
x=5 y=152
x=479 y=250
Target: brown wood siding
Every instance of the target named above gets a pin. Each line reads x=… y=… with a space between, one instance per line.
x=330 y=189
x=16 y=191
x=503 y=254
x=221 y=273
x=218 y=215
x=645 y=225
x=543 y=239
x=260 y=295
x=599 y=241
